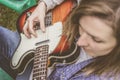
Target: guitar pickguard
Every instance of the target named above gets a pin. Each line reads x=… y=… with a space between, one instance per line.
x=26 y=46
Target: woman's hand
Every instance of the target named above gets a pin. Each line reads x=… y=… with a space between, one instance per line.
x=38 y=15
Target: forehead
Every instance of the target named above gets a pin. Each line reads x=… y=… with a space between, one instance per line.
x=96 y=27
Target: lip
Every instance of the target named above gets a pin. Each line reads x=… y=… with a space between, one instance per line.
x=88 y=51
x=85 y=49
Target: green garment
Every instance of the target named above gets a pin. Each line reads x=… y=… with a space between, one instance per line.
x=18 y=5
x=4 y=75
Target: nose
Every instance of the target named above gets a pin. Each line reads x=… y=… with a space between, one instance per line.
x=82 y=41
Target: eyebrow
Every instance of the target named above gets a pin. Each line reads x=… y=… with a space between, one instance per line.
x=94 y=37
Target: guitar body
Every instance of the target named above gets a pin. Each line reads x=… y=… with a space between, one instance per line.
x=59 y=51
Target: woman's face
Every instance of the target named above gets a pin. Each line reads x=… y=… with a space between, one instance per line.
x=96 y=37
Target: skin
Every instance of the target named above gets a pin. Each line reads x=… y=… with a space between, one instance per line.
x=38 y=15
x=96 y=36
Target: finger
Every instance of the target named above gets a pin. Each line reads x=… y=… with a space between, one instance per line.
x=31 y=28
x=25 y=30
x=42 y=24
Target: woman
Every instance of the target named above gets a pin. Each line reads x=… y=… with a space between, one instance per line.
x=98 y=24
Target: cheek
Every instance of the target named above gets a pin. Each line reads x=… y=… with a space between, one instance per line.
x=101 y=48
x=95 y=46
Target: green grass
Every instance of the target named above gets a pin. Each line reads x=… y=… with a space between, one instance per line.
x=8 y=17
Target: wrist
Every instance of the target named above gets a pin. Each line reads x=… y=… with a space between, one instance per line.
x=42 y=3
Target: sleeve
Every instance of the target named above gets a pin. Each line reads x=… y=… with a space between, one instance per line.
x=52 y=3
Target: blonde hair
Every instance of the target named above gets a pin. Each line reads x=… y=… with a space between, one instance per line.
x=109 y=11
